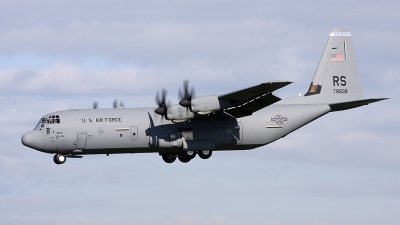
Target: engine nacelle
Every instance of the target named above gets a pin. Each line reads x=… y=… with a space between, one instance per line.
x=208 y=104
x=177 y=113
x=200 y=105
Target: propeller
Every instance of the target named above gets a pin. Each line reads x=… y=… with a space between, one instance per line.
x=186 y=95
x=115 y=104
x=162 y=105
x=95 y=105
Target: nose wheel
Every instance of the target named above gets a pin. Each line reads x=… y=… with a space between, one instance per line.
x=59 y=159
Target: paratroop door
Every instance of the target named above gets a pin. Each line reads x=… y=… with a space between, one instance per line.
x=81 y=141
x=237 y=133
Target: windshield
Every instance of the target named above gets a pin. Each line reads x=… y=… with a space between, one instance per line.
x=52 y=119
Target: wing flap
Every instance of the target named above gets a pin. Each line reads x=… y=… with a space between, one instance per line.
x=249 y=100
x=247 y=108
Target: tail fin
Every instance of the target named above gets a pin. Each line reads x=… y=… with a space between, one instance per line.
x=336 y=78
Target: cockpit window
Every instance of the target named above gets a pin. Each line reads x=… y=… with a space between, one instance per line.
x=53 y=119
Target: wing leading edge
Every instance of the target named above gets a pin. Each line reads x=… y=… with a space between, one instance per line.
x=249 y=100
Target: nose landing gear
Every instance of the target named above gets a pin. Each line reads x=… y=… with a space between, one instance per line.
x=59 y=159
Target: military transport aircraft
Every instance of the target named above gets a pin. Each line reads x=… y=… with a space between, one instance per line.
x=240 y=120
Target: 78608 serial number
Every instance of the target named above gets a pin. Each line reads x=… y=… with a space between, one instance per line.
x=340 y=91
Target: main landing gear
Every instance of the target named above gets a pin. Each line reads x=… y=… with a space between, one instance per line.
x=204 y=154
x=168 y=157
x=185 y=156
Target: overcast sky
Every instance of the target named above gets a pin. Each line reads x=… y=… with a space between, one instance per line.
x=343 y=168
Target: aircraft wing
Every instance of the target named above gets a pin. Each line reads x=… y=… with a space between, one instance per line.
x=246 y=101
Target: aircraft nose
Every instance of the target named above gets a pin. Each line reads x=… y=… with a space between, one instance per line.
x=32 y=139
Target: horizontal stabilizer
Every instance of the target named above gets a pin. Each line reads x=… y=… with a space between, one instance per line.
x=353 y=104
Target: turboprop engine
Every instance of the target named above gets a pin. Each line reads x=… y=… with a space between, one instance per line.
x=208 y=104
x=199 y=106
x=189 y=106
x=177 y=113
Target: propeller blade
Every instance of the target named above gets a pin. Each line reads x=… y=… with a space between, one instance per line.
x=186 y=95
x=115 y=104
x=95 y=105
x=161 y=102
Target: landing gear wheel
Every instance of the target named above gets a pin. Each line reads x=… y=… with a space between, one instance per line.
x=204 y=154
x=189 y=154
x=59 y=159
x=168 y=157
x=184 y=159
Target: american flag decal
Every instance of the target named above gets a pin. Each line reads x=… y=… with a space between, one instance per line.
x=337 y=57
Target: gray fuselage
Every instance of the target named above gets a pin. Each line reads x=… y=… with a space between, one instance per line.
x=140 y=130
